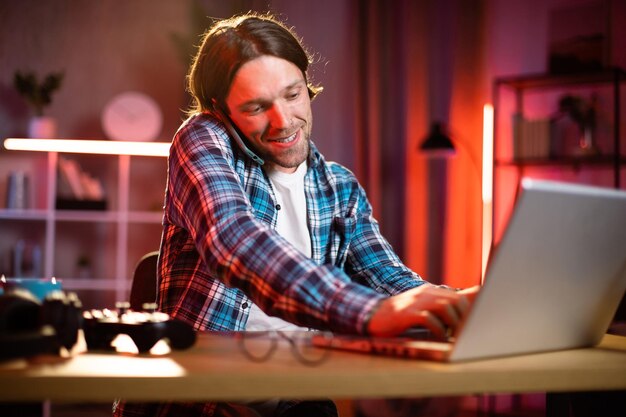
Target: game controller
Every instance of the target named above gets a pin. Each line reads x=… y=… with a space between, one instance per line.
x=145 y=328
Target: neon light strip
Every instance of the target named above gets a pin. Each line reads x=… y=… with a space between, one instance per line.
x=102 y=147
x=487 y=153
x=487 y=186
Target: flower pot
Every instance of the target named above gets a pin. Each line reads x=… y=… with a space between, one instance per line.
x=42 y=127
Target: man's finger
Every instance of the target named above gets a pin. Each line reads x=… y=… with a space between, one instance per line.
x=447 y=312
x=431 y=322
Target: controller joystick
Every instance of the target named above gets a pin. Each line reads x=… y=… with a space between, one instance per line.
x=144 y=328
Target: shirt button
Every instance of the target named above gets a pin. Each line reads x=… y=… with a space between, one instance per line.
x=277 y=206
x=244 y=305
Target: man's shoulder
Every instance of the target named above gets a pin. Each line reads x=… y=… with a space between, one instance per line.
x=332 y=169
x=202 y=131
x=339 y=169
x=201 y=122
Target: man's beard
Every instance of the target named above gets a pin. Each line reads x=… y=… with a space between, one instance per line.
x=290 y=158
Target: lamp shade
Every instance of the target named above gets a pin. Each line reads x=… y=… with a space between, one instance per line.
x=437 y=142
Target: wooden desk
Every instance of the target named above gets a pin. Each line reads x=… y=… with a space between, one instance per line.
x=216 y=369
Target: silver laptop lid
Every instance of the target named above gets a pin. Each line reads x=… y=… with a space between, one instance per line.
x=557 y=276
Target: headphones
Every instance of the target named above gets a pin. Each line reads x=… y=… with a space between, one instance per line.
x=29 y=327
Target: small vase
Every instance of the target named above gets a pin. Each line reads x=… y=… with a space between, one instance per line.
x=42 y=127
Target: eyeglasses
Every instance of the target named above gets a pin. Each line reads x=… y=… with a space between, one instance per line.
x=259 y=346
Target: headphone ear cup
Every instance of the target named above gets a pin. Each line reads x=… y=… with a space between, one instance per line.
x=21 y=334
x=19 y=312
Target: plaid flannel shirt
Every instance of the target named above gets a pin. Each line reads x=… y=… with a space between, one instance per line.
x=219 y=250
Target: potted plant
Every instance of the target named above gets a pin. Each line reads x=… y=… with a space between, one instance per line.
x=39 y=96
x=83 y=266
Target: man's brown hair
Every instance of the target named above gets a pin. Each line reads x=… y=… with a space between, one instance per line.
x=232 y=42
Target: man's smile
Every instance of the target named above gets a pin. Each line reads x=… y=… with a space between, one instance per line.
x=285 y=140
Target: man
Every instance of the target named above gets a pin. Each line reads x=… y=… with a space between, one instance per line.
x=260 y=231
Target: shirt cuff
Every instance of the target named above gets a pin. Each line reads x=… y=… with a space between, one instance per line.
x=351 y=308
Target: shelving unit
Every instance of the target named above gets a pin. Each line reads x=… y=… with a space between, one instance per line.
x=113 y=239
x=536 y=96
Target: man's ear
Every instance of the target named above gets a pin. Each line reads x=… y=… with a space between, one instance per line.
x=313 y=90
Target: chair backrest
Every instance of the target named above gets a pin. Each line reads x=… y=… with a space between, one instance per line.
x=144 y=287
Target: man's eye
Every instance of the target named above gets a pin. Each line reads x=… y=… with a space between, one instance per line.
x=293 y=95
x=253 y=109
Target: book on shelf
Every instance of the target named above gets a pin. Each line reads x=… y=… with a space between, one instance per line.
x=75 y=183
x=71 y=176
x=531 y=138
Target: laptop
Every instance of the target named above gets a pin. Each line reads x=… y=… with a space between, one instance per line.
x=554 y=281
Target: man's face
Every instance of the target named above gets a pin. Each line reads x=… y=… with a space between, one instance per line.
x=269 y=102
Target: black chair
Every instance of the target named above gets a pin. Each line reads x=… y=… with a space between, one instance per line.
x=144 y=287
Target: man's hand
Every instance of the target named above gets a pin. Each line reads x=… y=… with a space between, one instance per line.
x=438 y=309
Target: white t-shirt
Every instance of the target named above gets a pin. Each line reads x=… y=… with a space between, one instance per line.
x=292 y=225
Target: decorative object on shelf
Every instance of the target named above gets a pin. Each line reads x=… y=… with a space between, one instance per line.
x=39 y=96
x=575 y=125
x=83 y=186
x=531 y=138
x=27 y=260
x=42 y=127
x=77 y=189
x=83 y=267
x=132 y=116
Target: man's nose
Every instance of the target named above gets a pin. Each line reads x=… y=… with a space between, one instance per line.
x=279 y=116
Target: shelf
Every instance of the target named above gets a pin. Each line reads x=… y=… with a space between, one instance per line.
x=87 y=216
x=89 y=284
x=595 y=161
x=82 y=216
x=23 y=214
x=145 y=217
x=535 y=81
x=107 y=216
